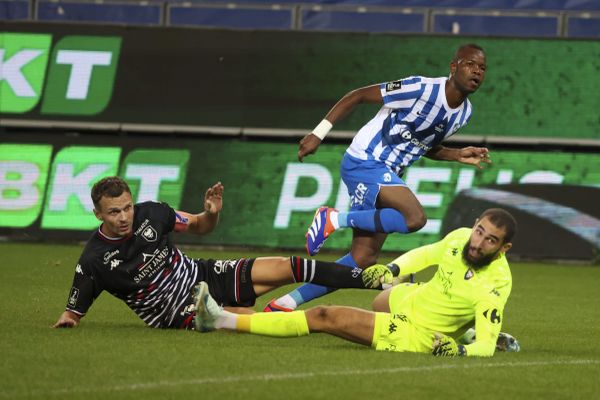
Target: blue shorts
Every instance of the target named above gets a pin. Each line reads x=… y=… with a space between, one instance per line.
x=364 y=178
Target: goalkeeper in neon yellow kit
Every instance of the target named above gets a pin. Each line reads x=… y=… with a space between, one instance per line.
x=471 y=285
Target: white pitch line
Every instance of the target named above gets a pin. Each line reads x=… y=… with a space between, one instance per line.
x=287 y=376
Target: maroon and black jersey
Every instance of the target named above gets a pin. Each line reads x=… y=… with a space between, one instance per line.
x=145 y=269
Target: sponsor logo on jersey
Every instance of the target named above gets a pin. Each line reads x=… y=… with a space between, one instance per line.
x=150 y=234
x=393 y=86
x=152 y=263
x=492 y=315
x=73 y=296
x=141 y=228
x=108 y=255
x=115 y=263
x=439 y=128
x=407 y=135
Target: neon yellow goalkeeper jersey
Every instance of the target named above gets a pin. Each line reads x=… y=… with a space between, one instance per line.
x=457 y=294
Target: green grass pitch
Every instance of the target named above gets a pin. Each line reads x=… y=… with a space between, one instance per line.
x=554 y=311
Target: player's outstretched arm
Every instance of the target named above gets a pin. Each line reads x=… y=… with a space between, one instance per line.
x=68 y=319
x=310 y=142
x=207 y=220
x=476 y=156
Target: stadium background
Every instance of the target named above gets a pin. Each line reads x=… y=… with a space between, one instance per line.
x=247 y=96
x=206 y=91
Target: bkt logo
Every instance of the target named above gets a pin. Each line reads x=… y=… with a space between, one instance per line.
x=81 y=73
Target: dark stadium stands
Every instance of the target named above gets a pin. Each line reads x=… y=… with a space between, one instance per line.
x=238 y=17
x=136 y=13
x=523 y=18
x=14 y=9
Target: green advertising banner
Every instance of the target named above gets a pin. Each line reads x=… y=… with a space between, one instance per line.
x=74 y=171
x=82 y=73
x=269 y=198
x=23 y=61
x=156 y=174
x=23 y=176
x=206 y=78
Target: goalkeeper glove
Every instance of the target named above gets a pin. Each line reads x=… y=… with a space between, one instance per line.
x=446 y=346
x=376 y=276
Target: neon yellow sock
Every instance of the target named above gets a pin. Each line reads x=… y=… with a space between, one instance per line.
x=277 y=324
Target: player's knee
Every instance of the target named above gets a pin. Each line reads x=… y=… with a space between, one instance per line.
x=416 y=221
x=381 y=302
x=319 y=318
x=366 y=260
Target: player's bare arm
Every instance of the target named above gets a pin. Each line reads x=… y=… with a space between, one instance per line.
x=368 y=94
x=476 y=156
x=68 y=319
x=207 y=220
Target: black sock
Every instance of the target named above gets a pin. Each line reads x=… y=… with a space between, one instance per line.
x=326 y=273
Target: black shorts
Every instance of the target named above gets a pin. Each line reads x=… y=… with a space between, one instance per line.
x=229 y=283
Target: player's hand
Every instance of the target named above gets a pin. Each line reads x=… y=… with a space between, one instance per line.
x=66 y=321
x=377 y=276
x=308 y=145
x=477 y=156
x=446 y=346
x=213 y=199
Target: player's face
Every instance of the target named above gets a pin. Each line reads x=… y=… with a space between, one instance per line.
x=468 y=72
x=116 y=213
x=485 y=243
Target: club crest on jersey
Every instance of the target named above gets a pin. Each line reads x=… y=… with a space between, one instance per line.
x=393 y=86
x=469 y=274
x=149 y=234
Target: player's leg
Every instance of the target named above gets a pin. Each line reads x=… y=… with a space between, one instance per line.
x=380 y=202
x=268 y=273
x=398 y=211
x=353 y=324
x=346 y=322
x=307 y=292
x=364 y=252
x=390 y=300
x=381 y=303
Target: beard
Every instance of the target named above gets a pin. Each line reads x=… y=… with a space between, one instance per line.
x=481 y=262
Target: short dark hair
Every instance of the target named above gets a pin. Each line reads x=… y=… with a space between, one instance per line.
x=464 y=47
x=111 y=186
x=501 y=219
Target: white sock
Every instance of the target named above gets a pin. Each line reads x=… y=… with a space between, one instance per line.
x=287 y=301
x=227 y=320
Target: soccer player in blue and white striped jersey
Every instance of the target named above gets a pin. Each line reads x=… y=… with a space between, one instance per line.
x=416 y=116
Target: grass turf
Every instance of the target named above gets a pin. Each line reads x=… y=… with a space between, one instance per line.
x=553 y=311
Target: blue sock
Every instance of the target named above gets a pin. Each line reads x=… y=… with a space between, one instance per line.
x=310 y=291
x=384 y=220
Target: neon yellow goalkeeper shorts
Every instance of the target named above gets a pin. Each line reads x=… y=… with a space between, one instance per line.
x=395 y=332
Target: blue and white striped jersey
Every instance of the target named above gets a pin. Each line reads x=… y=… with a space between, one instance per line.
x=415 y=117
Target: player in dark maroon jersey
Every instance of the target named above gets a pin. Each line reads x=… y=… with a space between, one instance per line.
x=131 y=256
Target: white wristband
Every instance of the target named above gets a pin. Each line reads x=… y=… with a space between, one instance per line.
x=322 y=129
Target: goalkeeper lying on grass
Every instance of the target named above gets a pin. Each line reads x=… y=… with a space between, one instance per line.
x=471 y=285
